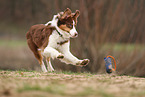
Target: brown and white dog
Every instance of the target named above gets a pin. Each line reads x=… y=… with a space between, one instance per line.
x=52 y=40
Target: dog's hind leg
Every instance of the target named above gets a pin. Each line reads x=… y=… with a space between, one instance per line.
x=40 y=60
x=37 y=54
x=49 y=65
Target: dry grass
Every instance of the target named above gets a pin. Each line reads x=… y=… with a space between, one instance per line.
x=64 y=84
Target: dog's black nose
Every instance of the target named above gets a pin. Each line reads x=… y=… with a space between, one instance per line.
x=76 y=34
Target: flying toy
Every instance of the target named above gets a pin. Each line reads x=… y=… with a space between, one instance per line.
x=108 y=64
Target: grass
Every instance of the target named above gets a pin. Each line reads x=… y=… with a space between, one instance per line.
x=60 y=89
x=86 y=91
x=54 y=89
x=70 y=84
x=105 y=94
x=138 y=93
x=29 y=88
x=74 y=73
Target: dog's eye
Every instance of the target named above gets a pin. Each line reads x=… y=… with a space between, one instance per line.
x=69 y=25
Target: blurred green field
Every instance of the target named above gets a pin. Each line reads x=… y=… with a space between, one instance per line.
x=106 y=46
x=13 y=43
x=16 y=55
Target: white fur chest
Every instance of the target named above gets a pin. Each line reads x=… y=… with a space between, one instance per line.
x=54 y=39
x=53 y=48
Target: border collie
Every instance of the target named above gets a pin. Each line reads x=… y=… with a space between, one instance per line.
x=52 y=40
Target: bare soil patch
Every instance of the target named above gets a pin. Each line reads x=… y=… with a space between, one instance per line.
x=67 y=84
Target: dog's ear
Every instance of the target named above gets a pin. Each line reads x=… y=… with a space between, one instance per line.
x=60 y=14
x=67 y=12
x=76 y=15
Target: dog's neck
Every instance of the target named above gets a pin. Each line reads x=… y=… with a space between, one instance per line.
x=59 y=33
x=54 y=22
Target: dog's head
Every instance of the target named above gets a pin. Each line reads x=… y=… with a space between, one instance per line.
x=67 y=22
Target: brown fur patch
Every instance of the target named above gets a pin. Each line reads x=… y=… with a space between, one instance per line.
x=66 y=23
x=39 y=34
x=37 y=37
x=64 y=27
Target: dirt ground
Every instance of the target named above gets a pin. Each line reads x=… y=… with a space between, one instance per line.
x=68 y=84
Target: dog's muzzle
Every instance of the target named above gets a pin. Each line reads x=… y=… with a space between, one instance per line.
x=73 y=33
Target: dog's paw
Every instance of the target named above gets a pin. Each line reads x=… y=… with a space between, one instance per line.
x=83 y=62
x=61 y=56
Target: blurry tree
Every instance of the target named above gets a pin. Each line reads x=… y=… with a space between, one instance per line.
x=121 y=20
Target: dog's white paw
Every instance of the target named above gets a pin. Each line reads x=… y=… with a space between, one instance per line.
x=83 y=62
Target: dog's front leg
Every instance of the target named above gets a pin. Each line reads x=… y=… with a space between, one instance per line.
x=53 y=53
x=69 y=58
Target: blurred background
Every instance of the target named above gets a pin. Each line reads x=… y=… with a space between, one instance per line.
x=106 y=27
